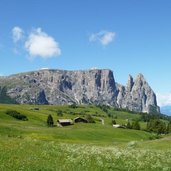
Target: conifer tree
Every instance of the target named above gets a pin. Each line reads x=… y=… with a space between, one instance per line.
x=50 y=120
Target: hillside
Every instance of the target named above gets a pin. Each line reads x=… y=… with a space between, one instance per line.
x=31 y=145
x=36 y=126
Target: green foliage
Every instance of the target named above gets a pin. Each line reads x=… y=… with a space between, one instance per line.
x=90 y=119
x=157 y=126
x=146 y=117
x=4 y=98
x=36 y=108
x=135 y=125
x=105 y=108
x=169 y=127
x=59 y=113
x=128 y=125
x=16 y=115
x=50 y=120
x=74 y=106
x=113 y=122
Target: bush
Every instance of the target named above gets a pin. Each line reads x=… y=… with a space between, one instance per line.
x=16 y=115
x=113 y=122
x=73 y=106
x=169 y=127
x=128 y=125
x=59 y=113
x=135 y=125
x=90 y=119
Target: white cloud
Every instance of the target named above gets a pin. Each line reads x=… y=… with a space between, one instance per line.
x=17 y=34
x=104 y=37
x=163 y=99
x=41 y=44
x=45 y=68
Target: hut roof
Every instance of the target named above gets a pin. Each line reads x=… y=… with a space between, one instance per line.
x=77 y=118
x=64 y=120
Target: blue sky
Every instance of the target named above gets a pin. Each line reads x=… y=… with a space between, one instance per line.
x=126 y=36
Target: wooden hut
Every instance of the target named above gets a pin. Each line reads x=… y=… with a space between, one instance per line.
x=64 y=122
x=79 y=119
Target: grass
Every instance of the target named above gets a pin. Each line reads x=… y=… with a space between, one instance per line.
x=31 y=145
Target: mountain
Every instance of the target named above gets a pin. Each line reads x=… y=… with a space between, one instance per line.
x=166 y=110
x=96 y=86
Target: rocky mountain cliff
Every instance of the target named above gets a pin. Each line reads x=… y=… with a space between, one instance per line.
x=81 y=87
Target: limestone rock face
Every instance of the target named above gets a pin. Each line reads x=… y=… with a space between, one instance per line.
x=81 y=87
x=138 y=96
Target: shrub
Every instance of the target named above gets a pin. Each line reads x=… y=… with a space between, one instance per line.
x=59 y=113
x=113 y=122
x=135 y=125
x=16 y=115
x=169 y=127
x=128 y=125
x=73 y=106
x=90 y=119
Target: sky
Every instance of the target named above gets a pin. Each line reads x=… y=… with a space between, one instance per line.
x=126 y=36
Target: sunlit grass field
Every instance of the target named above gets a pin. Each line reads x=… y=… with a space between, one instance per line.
x=31 y=145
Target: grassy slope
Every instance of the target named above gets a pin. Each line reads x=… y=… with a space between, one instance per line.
x=36 y=127
x=31 y=145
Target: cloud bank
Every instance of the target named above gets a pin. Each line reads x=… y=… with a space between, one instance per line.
x=41 y=44
x=164 y=99
x=17 y=34
x=103 y=37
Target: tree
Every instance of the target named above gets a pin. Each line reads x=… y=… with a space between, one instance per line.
x=169 y=127
x=157 y=126
x=59 y=113
x=90 y=119
x=50 y=120
x=73 y=106
x=113 y=122
x=129 y=125
x=135 y=125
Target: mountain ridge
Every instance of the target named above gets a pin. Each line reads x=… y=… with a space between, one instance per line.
x=94 y=86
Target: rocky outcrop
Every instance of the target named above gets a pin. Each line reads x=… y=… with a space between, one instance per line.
x=138 y=95
x=81 y=87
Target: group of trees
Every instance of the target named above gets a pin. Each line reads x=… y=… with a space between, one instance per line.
x=146 y=117
x=158 y=126
x=16 y=115
x=153 y=125
x=134 y=125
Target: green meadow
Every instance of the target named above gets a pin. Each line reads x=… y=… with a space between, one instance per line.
x=32 y=145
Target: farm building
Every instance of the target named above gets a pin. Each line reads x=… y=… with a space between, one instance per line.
x=79 y=119
x=64 y=122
